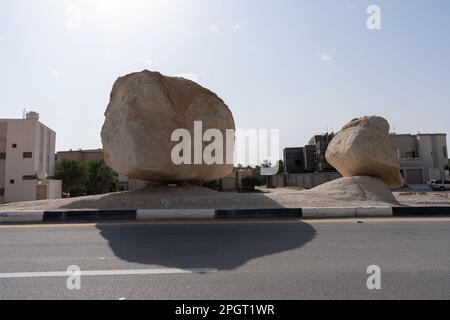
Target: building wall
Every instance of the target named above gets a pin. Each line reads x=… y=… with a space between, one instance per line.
x=294 y=160
x=407 y=146
x=21 y=138
x=421 y=155
x=25 y=136
x=54 y=189
x=81 y=155
x=305 y=180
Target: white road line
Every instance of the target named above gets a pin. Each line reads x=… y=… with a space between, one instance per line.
x=106 y=273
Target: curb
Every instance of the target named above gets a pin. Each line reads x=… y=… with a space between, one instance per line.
x=86 y=216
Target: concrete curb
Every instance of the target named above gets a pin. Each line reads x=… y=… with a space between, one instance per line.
x=86 y=216
x=347 y=212
x=174 y=214
x=22 y=217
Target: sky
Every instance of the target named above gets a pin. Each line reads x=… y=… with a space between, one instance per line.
x=304 y=67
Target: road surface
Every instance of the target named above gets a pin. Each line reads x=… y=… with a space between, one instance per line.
x=229 y=260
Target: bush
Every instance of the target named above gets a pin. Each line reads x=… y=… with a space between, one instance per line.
x=83 y=178
x=74 y=176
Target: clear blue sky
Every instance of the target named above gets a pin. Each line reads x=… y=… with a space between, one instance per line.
x=300 y=66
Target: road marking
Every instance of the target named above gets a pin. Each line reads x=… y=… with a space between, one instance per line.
x=132 y=272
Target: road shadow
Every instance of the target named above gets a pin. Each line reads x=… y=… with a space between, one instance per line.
x=224 y=246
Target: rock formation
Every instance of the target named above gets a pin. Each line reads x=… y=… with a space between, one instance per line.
x=144 y=110
x=363 y=148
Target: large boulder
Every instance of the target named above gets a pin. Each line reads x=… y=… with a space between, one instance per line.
x=363 y=148
x=144 y=110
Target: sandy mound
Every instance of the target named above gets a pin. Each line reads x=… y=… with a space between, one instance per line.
x=354 y=189
x=345 y=192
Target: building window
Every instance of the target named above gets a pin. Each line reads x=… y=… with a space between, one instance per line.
x=14 y=145
x=27 y=155
x=2 y=192
x=445 y=152
x=12 y=181
x=29 y=177
x=2 y=155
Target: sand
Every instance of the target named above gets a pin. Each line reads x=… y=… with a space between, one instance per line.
x=345 y=192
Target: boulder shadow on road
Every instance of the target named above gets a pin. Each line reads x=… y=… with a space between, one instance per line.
x=211 y=245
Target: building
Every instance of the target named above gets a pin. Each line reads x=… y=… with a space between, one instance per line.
x=294 y=160
x=423 y=157
x=81 y=155
x=27 y=160
x=310 y=158
x=321 y=143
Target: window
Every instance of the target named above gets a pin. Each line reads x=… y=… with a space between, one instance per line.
x=28 y=155
x=2 y=192
x=12 y=181
x=445 y=152
x=2 y=156
x=33 y=177
x=14 y=145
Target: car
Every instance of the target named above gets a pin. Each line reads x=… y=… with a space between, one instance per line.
x=439 y=185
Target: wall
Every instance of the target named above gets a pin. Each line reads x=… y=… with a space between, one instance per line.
x=22 y=133
x=54 y=190
x=405 y=144
x=81 y=155
x=294 y=160
x=429 y=153
x=30 y=136
x=305 y=180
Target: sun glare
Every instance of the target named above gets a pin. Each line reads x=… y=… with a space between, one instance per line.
x=115 y=9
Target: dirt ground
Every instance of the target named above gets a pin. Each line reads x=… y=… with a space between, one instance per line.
x=194 y=197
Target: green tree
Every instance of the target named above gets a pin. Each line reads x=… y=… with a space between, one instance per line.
x=74 y=176
x=100 y=177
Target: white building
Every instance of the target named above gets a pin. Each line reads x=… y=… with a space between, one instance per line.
x=423 y=157
x=27 y=159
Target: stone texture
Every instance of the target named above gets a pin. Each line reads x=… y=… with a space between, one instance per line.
x=363 y=148
x=144 y=110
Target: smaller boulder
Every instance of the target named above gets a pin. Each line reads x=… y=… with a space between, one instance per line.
x=363 y=148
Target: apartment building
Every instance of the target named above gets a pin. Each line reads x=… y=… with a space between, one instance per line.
x=27 y=160
x=321 y=142
x=423 y=157
x=310 y=158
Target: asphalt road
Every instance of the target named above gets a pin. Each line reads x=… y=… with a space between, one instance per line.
x=241 y=260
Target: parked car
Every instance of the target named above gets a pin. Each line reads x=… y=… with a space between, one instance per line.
x=441 y=185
